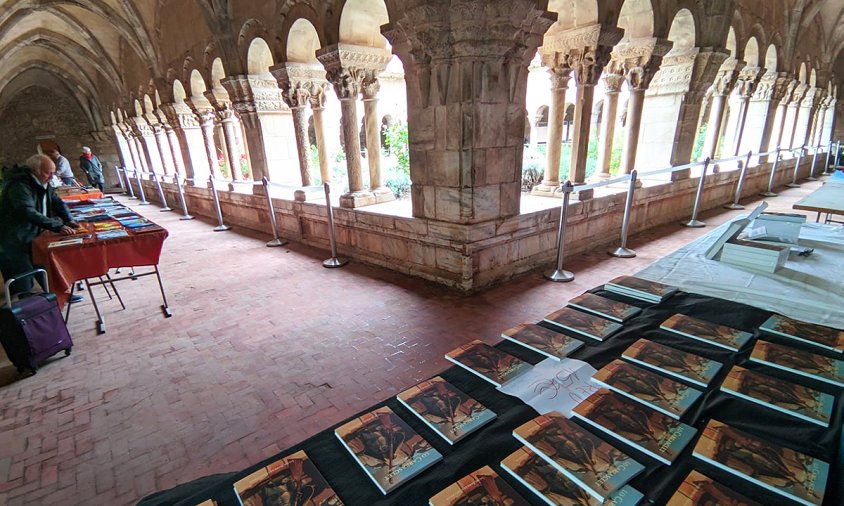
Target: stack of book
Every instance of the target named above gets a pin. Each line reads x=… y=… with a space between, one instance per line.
x=808 y=333
x=487 y=362
x=604 y=307
x=290 y=480
x=754 y=255
x=707 y=332
x=642 y=289
x=673 y=362
x=542 y=340
x=483 y=486
x=584 y=324
x=802 y=363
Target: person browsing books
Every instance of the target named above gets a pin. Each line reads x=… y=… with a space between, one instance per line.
x=92 y=167
x=63 y=170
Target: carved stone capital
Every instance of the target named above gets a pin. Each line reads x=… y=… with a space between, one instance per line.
x=639 y=59
x=370 y=86
x=347 y=66
x=207 y=119
x=253 y=95
x=317 y=97
x=689 y=71
x=613 y=82
x=586 y=50
x=748 y=80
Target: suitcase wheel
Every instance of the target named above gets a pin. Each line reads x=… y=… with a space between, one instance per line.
x=67 y=352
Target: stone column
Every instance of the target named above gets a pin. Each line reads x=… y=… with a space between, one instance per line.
x=207 y=126
x=164 y=151
x=318 y=107
x=782 y=100
x=227 y=118
x=148 y=146
x=372 y=126
x=803 y=118
x=723 y=85
x=792 y=115
x=560 y=74
x=761 y=112
x=748 y=79
x=612 y=84
x=175 y=149
x=189 y=139
x=817 y=134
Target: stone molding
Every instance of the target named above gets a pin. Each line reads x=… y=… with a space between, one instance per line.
x=299 y=82
x=748 y=80
x=348 y=67
x=585 y=50
x=771 y=86
x=639 y=60
x=613 y=82
x=253 y=95
x=691 y=71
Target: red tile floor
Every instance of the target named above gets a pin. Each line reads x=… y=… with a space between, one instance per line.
x=265 y=348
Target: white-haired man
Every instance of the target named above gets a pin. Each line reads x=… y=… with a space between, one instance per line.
x=91 y=166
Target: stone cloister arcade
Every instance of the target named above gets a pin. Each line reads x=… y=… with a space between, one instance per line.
x=242 y=90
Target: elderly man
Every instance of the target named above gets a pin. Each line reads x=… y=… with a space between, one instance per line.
x=91 y=166
x=28 y=206
x=63 y=170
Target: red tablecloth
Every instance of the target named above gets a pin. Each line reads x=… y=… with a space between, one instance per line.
x=78 y=195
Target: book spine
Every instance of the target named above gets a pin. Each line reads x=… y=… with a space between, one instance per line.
x=691 y=336
x=476 y=373
x=637 y=399
x=775 y=407
x=560 y=468
x=623 y=439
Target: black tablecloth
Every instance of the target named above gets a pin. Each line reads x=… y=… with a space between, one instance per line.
x=492 y=443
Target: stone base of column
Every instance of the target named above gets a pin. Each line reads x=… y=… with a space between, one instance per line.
x=584 y=195
x=599 y=176
x=357 y=199
x=546 y=189
x=258 y=189
x=383 y=194
x=304 y=195
x=681 y=174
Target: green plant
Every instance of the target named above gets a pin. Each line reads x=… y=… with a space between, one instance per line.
x=397 y=144
x=313 y=156
x=397 y=181
x=697 y=149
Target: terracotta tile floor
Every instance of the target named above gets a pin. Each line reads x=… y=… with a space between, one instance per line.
x=265 y=348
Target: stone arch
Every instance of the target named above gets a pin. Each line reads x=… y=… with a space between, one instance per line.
x=801 y=73
x=572 y=14
x=259 y=58
x=636 y=18
x=813 y=78
x=295 y=17
x=197 y=84
x=682 y=31
x=179 y=94
x=758 y=31
x=138 y=110
x=542 y=116
x=360 y=23
x=252 y=30
x=302 y=42
x=113 y=118
x=218 y=73
x=771 y=60
x=751 y=52
x=731 y=43
x=148 y=106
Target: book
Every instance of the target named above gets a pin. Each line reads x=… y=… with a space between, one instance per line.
x=65 y=242
x=111 y=234
x=804 y=363
x=604 y=307
x=783 y=471
x=785 y=397
x=290 y=480
x=638 y=288
x=701 y=490
x=649 y=388
x=584 y=324
x=731 y=232
x=809 y=333
x=673 y=362
x=542 y=340
x=487 y=362
x=650 y=431
x=590 y=462
x=754 y=255
x=483 y=486
x=707 y=332
x=386 y=448
x=554 y=487
x=444 y=408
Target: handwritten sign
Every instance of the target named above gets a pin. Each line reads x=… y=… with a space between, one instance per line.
x=553 y=386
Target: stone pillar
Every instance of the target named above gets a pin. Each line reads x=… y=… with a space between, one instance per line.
x=817 y=134
x=803 y=119
x=148 y=146
x=185 y=128
x=207 y=126
x=164 y=151
x=746 y=84
x=612 y=84
x=723 y=85
x=229 y=121
x=761 y=112
x=318 y=107
x=122 y=146
x=560 y=75
x=778 y=129
x=792 y=114
x=372 y=126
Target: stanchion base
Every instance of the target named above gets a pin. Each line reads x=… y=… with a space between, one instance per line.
x=559 y=276
x=222 y=228
x=275 y=243
x=143 y=203
x=622 y=253
x=792 y=185
x=164 y=209
x=826 y=173
x=694 y=224
x=334 y=262
x=734 y=206
x=769 y=194
x=186 y=217
x=811 y=178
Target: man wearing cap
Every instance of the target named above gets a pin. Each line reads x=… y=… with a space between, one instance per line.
x=90 y=165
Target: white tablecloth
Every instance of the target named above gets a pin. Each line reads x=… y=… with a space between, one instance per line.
x=807 y=288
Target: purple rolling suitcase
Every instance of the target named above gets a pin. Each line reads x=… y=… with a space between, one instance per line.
x=32 y=329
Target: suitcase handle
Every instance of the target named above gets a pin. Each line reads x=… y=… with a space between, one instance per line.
x=45 y=285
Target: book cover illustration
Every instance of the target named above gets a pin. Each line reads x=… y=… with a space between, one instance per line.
x=290 y=480
x=630 y=284
x=673 y=362
x=811 y=365
x=487 y=362
x=825 y=337
x=589 y=461
x=602 y=306
x=783 y=396
x=658 y=435
x=708 y=332
x=658 y=392
x=386 y=448
x=582 y=323
x=443 y=407
x=554 y=487
x=542 y=340
x=483 y=487
x=701 y=490
x=781 y=470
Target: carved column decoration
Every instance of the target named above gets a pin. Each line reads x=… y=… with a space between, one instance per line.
x=560 y=74
x=612 y=84
x=318 y=107
x=722 y=87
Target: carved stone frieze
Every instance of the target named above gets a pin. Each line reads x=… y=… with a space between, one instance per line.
x=252 y=95
x=639 y=59
x=348 y=66
x=299 y=82
x=748 y=80
x=691 y=71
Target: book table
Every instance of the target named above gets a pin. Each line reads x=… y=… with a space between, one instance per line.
x=494 y=442
x=76 y=194
x=828 y=199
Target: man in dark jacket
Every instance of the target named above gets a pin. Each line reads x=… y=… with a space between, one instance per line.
x=91 y=166
x=28 y=206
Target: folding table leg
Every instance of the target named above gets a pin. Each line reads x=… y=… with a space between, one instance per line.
x=165 y=308
x=100 y=321
x=105 y=287
x=67 y=311
x=116 y=293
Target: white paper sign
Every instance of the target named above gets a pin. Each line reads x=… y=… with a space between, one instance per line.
x=553 y=385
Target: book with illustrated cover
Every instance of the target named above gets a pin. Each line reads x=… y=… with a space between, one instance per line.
x=673 y=362
x=482 y=487
x=638 y=288
x=290 y=480
x=589 y=461
x=809 y=333
x=387 y=448
x=783 y=471
x=111 y=234
x=555 y=488
x=649 y=388
x=707 y=332
x=542 y=340
x=604 y=307
x=789 y=398
x=487 y=362
x=443 y=407
x=584 y=324
x=658 y=435
x=701 y=490
x=804 y=363
x=65 y=242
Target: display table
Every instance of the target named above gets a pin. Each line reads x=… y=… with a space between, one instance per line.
x=76 y=194
x=828 y=199
x=495 y=441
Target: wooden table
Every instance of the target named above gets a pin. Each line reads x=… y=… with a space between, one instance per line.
x=828 y=199
x=74 y=194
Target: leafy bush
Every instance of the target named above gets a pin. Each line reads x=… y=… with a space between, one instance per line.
x=397 y=145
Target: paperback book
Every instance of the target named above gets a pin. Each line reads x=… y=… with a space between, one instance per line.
x=804 y=363
x=290 y=480
x=542 y=340
x=604 y=307
x=65 y=242
x=809 y=333
x=707 y=332
x=487 y=362
x=785 y=397
x=443 y=407
x=650 y=431
x=386 y=448
x=673 y=362
x=783 y=471
x=555 y=488
x=649 y=388
x=111 y=234
x=642 y=289
x=484 y=486
x=584 y=324
x=701 y=490
x=590 y=462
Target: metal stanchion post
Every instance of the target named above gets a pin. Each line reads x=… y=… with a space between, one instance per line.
x=160 y=194
x=770 y=192
x=222 y=226
x=837 y=154
x=276 y=241
x=622 y=251
x=120 y=180
x=812 y=167
x=141 y=189
x=185 y=215
x=793 y=183
x=129 y=184
x=694 y=222
x=742 y=174
x=559 y=274
x=826 y=163
x=334 y=261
